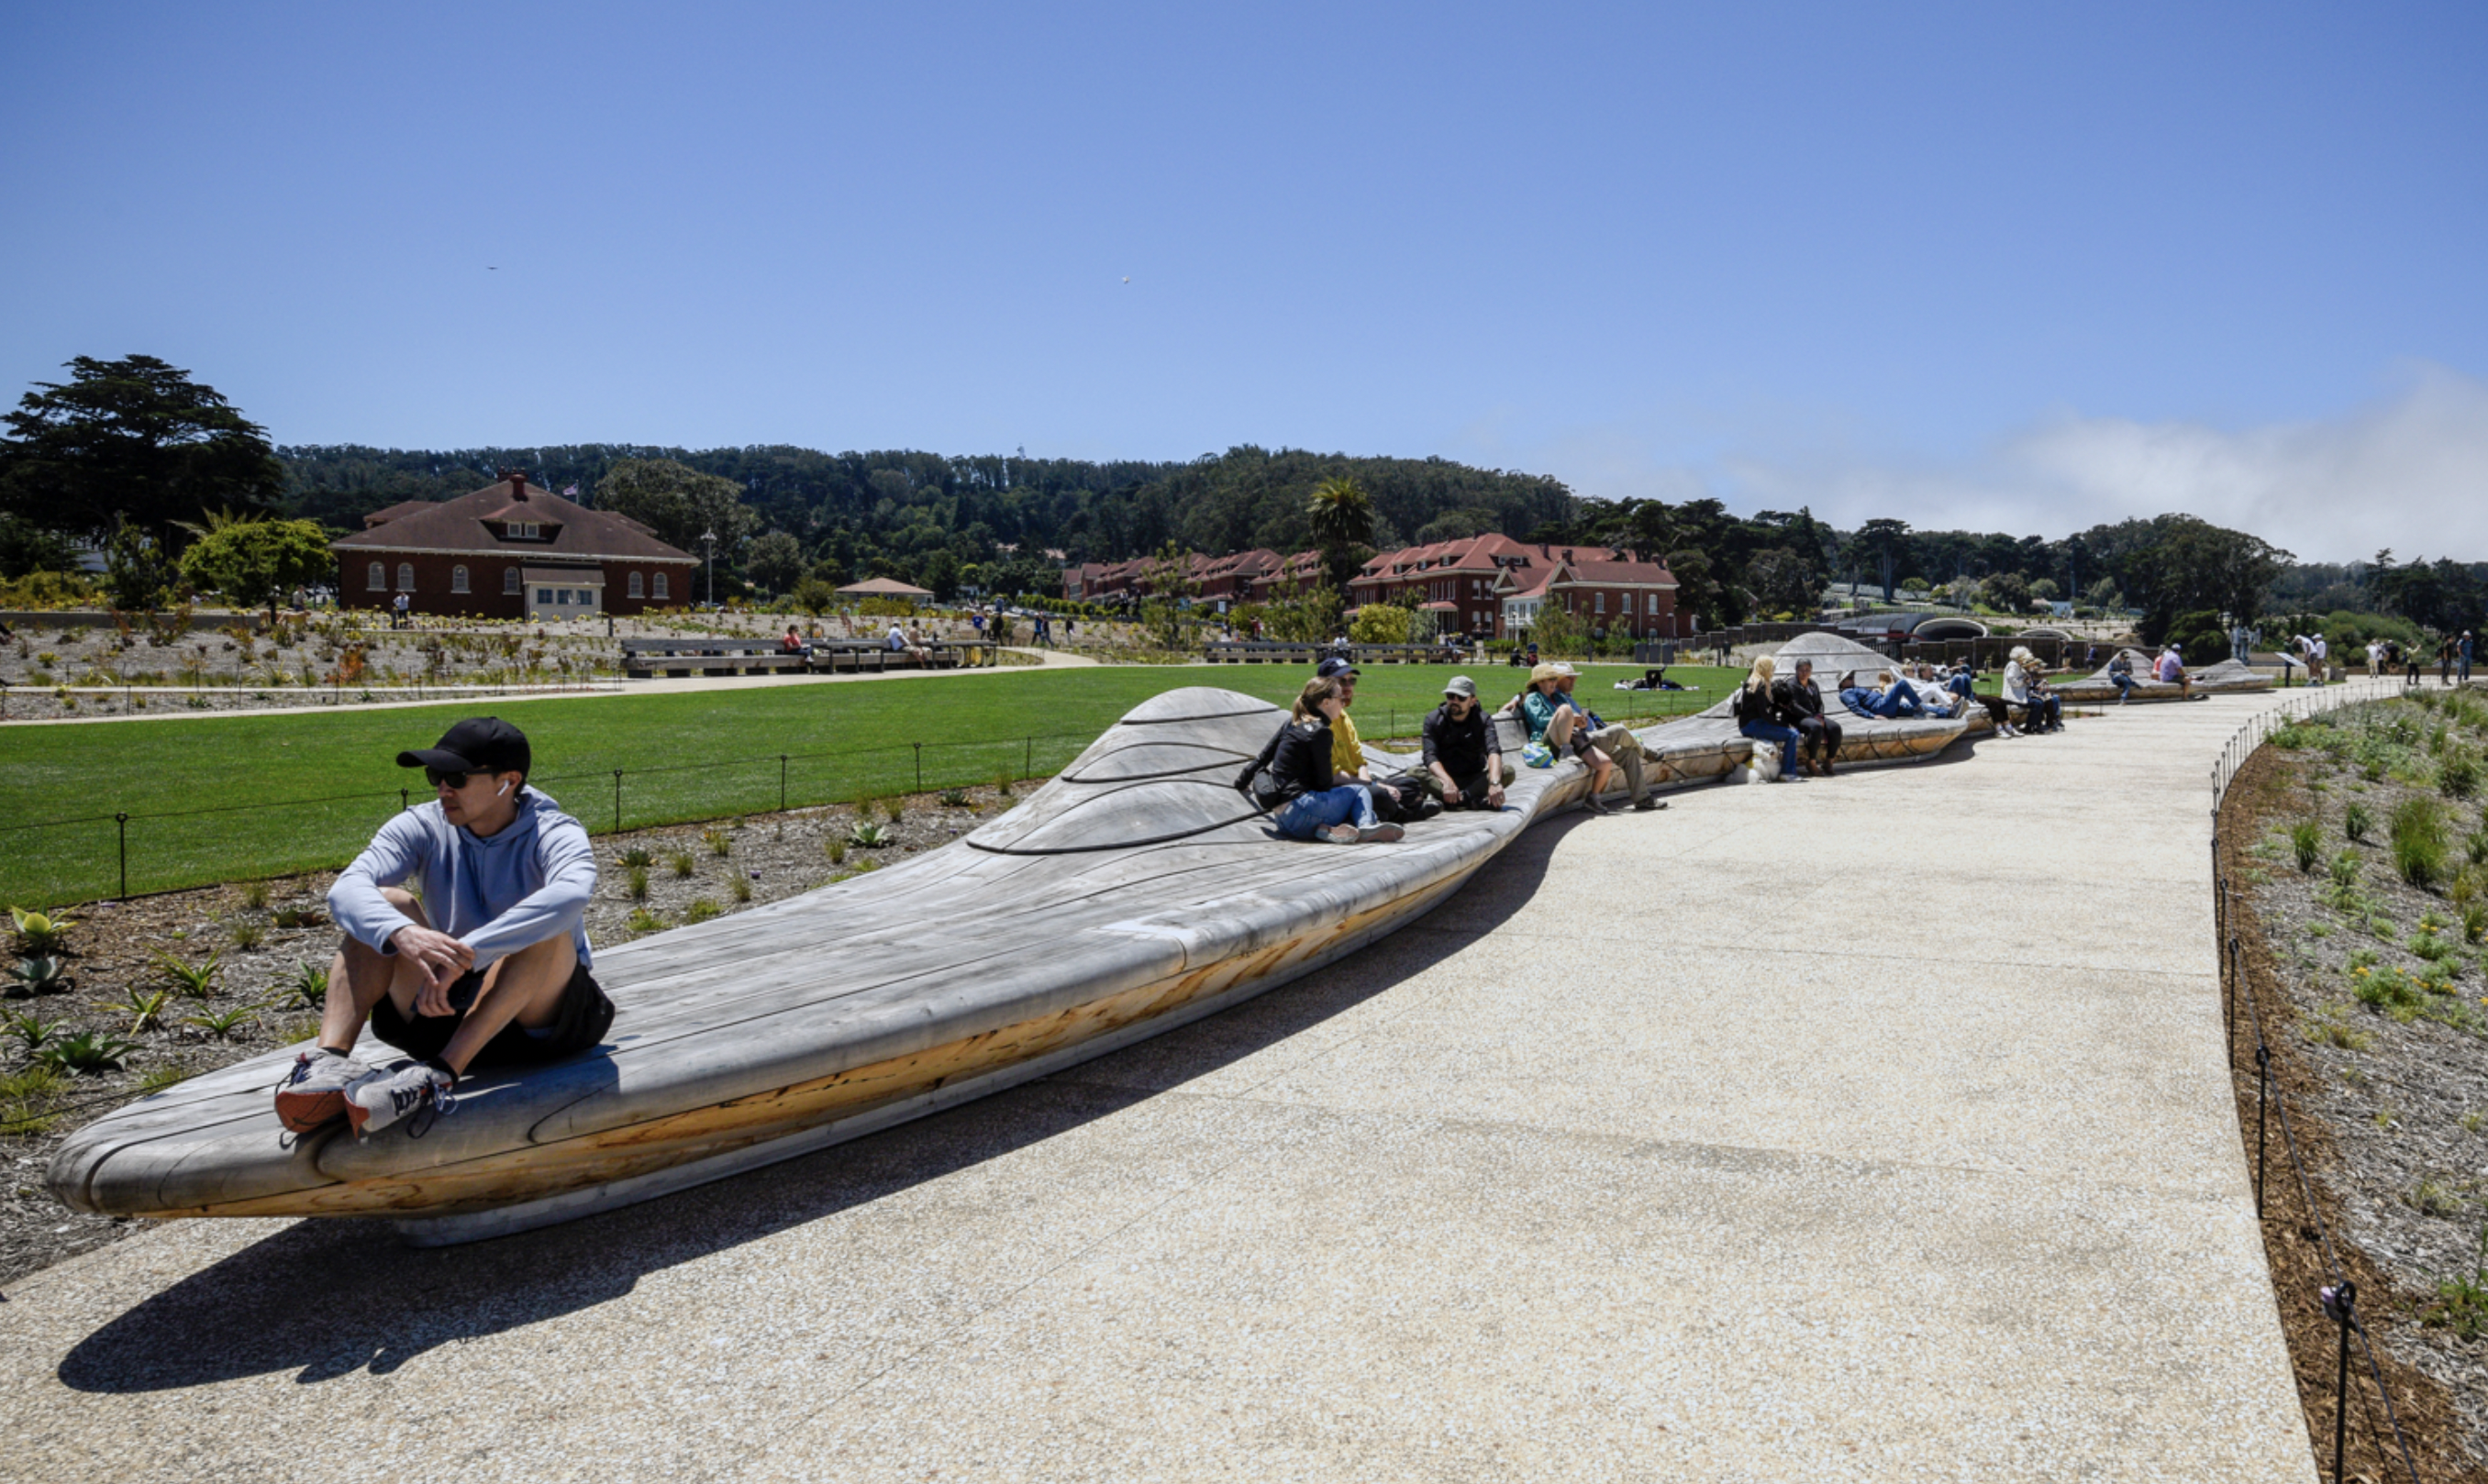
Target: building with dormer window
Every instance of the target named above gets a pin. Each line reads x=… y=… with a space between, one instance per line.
x=510 y=550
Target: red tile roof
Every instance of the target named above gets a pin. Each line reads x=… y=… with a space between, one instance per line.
x=463 y=525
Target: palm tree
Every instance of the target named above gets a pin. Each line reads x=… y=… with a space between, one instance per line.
x=1341 y=513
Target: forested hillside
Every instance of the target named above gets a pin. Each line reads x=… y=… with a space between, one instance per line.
x=930 y=517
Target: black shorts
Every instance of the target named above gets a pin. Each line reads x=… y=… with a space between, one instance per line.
x=581 y=1021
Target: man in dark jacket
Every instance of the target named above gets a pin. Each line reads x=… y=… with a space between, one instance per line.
x=1800 y=703
x=1463 y=767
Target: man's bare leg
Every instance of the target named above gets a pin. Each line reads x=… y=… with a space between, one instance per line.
x=360 y=976
x=524 y=988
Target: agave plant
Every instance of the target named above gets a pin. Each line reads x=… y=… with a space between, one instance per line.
x=41 y=933
x=38 y=975
x=193 y=981
x=870 y=837
x=87 y=1051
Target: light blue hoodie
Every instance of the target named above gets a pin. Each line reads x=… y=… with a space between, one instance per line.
x=498 y=895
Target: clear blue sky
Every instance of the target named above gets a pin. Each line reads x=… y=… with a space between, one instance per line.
x=2010 y=263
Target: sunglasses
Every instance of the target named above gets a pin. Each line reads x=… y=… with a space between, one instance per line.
x=436 y=777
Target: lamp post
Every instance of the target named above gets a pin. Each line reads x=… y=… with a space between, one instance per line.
x=708 y=538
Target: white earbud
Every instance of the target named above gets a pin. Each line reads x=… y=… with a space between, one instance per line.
x=506 y=791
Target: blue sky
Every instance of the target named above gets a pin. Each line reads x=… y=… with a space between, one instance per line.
x=2012 y=265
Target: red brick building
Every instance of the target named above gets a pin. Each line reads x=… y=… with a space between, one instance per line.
x=510 y=550
x=1454 y=580
x=1604 y=589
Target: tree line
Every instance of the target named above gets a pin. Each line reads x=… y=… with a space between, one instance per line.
x=136 y=459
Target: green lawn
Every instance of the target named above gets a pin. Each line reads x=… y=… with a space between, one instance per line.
x=216 y=799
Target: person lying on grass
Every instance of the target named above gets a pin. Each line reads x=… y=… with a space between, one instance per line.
x=488 y=968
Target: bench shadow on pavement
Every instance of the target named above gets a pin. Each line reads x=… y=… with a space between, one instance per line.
x=329 y=1297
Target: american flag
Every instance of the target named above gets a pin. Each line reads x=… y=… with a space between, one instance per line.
x=569 y=491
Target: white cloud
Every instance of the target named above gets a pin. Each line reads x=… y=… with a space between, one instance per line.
x=2409 y=472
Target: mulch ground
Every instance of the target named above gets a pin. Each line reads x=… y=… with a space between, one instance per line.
x=121 y=949
x=2376 y=1105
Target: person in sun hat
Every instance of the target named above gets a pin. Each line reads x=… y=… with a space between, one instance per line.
x=1612 y=740
x=488 y=968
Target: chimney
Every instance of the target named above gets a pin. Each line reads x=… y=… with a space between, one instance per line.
x=1567 y=553
x=518 y=479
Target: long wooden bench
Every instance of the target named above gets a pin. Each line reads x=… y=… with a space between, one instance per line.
x=732 y=654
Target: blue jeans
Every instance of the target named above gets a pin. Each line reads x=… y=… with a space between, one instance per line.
x=1784 y=735
x=1899 y=700
x=1306 y=815
x=2123 y=681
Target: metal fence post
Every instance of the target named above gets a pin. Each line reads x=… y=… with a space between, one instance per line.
x=2338 y=1301
x=2263 y=1100
x=919 y=766
x=123 y=820
x=404 y=800
x=617 y=801
x=782 y=783
x=1028 y=764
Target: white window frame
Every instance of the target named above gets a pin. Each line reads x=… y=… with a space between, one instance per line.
x=637 y=586
x=458 y=578
x=657 y=591
x=378 y=578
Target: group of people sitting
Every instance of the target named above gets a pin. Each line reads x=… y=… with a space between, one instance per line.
x=2169 y=668
x=1316 y=782
x=1788 y=711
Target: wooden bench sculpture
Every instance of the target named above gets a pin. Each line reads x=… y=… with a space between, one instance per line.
x=2226 y=677
x=745 y=655
x=1135 y=892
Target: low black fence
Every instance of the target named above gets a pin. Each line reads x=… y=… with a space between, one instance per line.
x=2338 y=1296
x=121 y=853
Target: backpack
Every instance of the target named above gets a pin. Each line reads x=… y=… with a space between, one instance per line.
x=1255 y=782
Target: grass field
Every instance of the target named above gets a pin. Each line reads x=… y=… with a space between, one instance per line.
x=225 y=798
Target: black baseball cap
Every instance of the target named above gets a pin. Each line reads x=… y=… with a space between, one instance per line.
x=1334 y=666
x=478 y=745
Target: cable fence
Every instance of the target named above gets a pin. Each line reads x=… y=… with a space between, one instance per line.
x=110 y=852
x=2339 y=1296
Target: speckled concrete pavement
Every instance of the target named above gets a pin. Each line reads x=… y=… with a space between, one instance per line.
x=1869 y=1129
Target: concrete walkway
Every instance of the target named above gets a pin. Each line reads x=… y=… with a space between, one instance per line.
x=1871 y=1129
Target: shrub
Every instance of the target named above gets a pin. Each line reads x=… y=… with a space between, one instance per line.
x=955 y=799
x=311 y=984
x=637 y=857
x=1003 y=783
x=224 y=1024
x=39 y=976
x=741 y=888
x=835 y=847
x=2355 y=822
x=86 y=1052
x=870 y=837
x=254 y=895
x=2306 y=844
x=894 y=806
x=146 y=1010
x=191 y=981
x=683 y=865
x=41 y=933
x=720 y=842
x=2419 y=841
x=30 y=1027
x=2458 y=776
x=638 y=881
x=2346 y=870
x=701 y=910
x=298 y=917
x=2474 y=845
x=248 y=935
x=642 y=920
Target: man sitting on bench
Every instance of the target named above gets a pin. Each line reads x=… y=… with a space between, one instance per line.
x=1463 y=765
x=499 y=979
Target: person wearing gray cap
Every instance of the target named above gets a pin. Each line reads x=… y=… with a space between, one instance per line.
x=1463 y=767
x=489 y=967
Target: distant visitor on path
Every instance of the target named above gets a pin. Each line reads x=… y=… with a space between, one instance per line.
x=1463 y=765
x=1800 y=703
x=1294 y=779
x=500 y=979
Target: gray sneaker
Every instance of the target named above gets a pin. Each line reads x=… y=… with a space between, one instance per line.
x=314 y=1092
x=403 y=1091
x=1381 y=834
